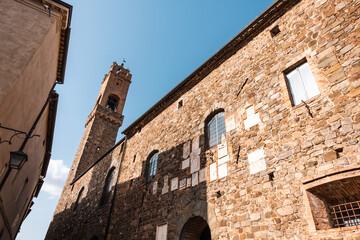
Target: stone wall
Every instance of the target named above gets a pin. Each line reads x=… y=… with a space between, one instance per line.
x=263 y=127
x=252 y=186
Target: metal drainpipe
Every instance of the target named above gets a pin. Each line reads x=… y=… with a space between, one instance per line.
x=114 y=194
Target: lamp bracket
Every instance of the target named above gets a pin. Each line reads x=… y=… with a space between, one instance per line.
x=16 y=133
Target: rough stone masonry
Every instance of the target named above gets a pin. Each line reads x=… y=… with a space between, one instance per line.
x=279 y=171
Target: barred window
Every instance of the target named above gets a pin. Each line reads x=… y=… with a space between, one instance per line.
x=216 y=129
x=335 y=204
x=152 y=165
x=346 y=214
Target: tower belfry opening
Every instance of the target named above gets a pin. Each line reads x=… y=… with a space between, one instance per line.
x=112 y=103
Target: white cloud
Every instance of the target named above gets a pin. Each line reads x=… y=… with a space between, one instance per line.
x=55 y=177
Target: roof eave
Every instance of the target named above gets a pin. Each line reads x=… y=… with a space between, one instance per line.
x=264 y=20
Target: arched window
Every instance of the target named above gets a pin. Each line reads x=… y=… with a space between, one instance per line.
x=110 y=179
x=112 y=102
x=152 y=165
x=109 y=183
x=216 y=129
x=78 y=199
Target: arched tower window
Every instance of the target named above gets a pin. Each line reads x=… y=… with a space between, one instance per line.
x=215 y=129
x=109 y=183
x=78 y=199
x=152 y=165
x=112 y=102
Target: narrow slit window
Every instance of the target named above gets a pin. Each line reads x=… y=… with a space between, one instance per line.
x=302 y=84
x=180 y=104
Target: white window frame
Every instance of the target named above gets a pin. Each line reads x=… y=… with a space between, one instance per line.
x=302 y=84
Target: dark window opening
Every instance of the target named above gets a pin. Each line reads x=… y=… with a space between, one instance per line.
x=275 y=31
x=180 y=104
x=336 y=204
x=111 y=103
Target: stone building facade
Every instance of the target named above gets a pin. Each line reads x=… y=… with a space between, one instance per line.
x=34 y=37
x=259 y=142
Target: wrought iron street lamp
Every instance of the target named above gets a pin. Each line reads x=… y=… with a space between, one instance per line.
x=17 y=159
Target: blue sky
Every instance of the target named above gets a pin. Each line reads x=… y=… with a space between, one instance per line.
x=163 y=41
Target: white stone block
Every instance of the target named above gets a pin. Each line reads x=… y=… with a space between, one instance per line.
x=155 y=187
x=182 y=184
x=188 y=182
x=222 y=150
x=186 y=149
x=165 y=189
x=195 y=143
x=161 y=232
x=213 y=174
x=257 y=166
x=185 y=163
x=202 y=175
x=230 y=123
x=251 y=118
x=195 y=164
x=256 y=161
x=194 y=179
x=222 y=170
x=256 y=155
x=174 y=183
x=223 y=160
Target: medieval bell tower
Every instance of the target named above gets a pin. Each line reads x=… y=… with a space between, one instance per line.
x=104 y=120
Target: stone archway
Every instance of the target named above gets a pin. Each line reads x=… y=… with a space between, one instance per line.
x=196 y=228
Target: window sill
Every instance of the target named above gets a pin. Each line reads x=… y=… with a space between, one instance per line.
x=337 y=230
x=311 y=101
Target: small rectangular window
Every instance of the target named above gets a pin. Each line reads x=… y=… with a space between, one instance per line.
x=302 y=84
x=180 y=104
x=275 y=31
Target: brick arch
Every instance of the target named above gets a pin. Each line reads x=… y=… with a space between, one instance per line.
x=215 y=107
x=196 y=228
x=199 y=208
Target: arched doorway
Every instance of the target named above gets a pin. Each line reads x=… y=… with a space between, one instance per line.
x=195 y=228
